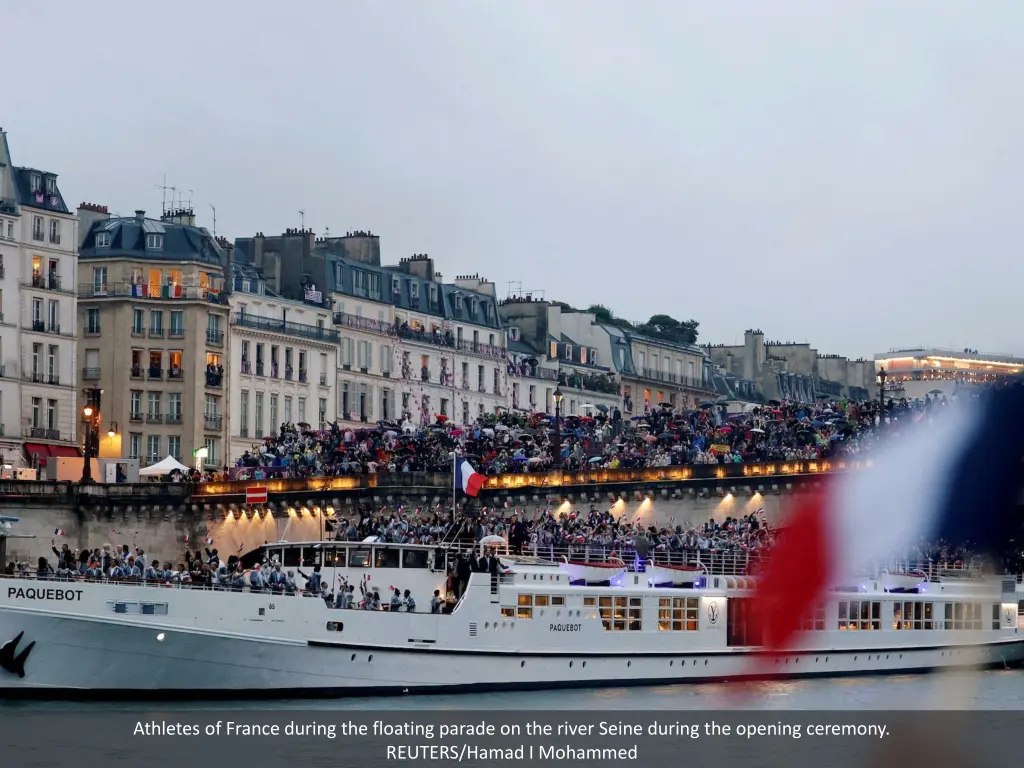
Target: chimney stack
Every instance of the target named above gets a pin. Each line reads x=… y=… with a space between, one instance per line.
x=140 y=216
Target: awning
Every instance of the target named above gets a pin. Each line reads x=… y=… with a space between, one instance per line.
x=64 y=452
x=37 y=448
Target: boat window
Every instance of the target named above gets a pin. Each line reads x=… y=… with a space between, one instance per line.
x=508 y=613
x=678 y=614
x=414 y=558
x=589 y=601
x=291 y=557
x=635 y=614
x=335 y=626
x=912 y=615
x=385 y=557
x=996 y=623
x=311 y=556
x=541 y=600
x=334 y=558
x=525 y=607
x=815 y=620
x=860 y=614
x=359 y=558
x=558 y=600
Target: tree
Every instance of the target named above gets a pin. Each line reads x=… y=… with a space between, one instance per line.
x=668 y=328
x=606 y=316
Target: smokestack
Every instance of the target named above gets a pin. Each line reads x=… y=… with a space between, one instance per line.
x=140 y=216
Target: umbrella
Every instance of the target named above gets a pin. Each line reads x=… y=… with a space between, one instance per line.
x=500 y=428
x=596 y=459
x=665 y=405
x=665 y=436
x=369 y=539
x=760 y=431
x=602 y=408
x=707 y=405
x=492 y=541
x=935 y=392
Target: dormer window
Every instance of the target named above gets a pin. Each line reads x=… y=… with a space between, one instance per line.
x=568 y=351
x=593 y=357
x=553 y=350
x=36 y=183
x=458 y=301
x=414 y=290
x=583 y=355
x=396 y=286
x=487 y=310
x=513 y=334
x=433 y=294
x=103 y=240
x=51 y=186
x=154 y=242
x=472 y=306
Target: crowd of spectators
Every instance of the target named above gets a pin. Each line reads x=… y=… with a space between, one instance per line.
x=516 y=442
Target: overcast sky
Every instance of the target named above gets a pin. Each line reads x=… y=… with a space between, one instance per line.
x=848 y=173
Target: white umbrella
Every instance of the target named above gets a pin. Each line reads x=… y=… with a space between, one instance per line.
x=369 y=539
x=501 y=427
x=492 y=541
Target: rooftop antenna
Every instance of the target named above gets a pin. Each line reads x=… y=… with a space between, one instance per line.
x=302 y=218
x=164 y=189
x=214 y=219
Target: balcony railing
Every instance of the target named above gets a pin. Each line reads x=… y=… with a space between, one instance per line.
x=156 y=333
x=449 y=341
x=55 y=238
x=33 y=377
x=176 y=333
x=175 y=373
x=92 y=329
x=43 y=433
x=37 y=234
x=135 y=416
x=323 y=379
x=135 y=372
x=272 y=325
x=259 y=368
x=90 y=374
x=215 y=337
x=302 y=376
x=212 y=422
x=146 y=291
x=214 y=379
x=138 y=331
x=39 y=326
x=44 y=282
x=155 y=373
x=173 y=418
x=288 y=373
x=364 y=323
x=154 y=418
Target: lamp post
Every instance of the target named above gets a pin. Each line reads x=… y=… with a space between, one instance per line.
x=881 y=393
x=89 y=414
x=558 y=427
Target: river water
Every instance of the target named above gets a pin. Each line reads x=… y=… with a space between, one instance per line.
x=979 y=690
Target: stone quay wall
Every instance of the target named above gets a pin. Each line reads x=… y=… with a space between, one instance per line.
x=165 y=518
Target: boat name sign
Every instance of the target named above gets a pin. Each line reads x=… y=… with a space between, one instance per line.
x=19 y=593
x=564 y=627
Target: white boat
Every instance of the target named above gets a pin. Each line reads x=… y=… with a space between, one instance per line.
x=530 y=629
x=678 y=574
x=593 y=572
x=903 y=581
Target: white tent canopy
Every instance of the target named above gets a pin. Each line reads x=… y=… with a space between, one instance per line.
x=163 y=467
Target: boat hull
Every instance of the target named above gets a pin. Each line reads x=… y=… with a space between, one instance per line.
x=80 y=658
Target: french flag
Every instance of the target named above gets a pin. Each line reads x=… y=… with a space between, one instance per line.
x=954 y=476
x=468 y=478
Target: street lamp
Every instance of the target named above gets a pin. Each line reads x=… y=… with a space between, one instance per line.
x=558 y=428
x=881 y=393
x=89 y=416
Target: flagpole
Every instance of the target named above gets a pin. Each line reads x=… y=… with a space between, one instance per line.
x=454 y=482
